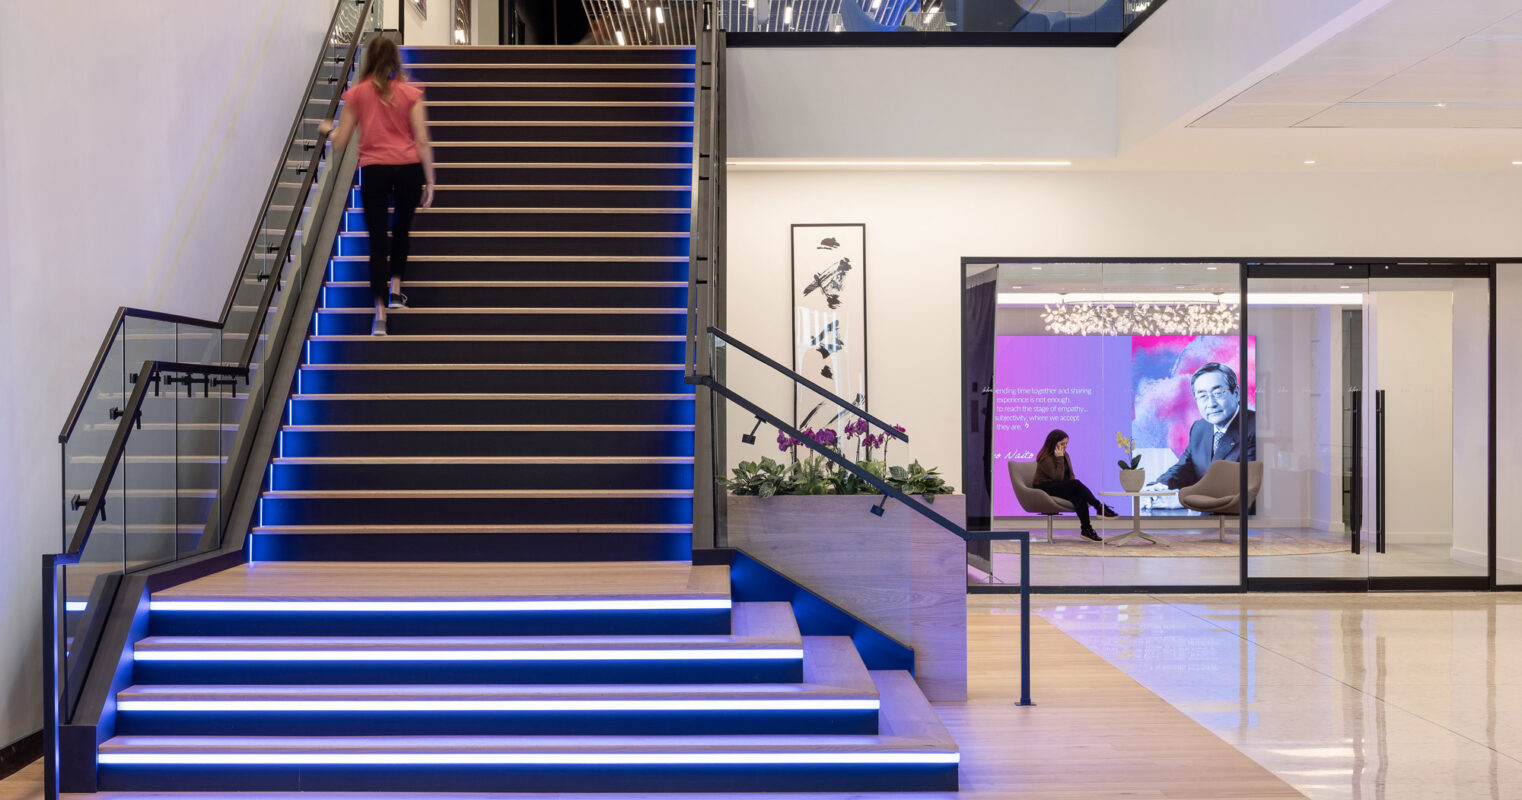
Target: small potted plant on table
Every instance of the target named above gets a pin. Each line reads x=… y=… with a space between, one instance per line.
x=1132 y=479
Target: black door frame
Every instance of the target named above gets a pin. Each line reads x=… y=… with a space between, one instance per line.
x=1367 y=268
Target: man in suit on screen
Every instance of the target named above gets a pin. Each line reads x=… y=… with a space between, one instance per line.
x=1216 y=436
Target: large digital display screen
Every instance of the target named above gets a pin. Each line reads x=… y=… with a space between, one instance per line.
x=1178 y=397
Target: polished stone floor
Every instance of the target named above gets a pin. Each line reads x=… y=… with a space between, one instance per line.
x=1112 y=566
x=1363 y=696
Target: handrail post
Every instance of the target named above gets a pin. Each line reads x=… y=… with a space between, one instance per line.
x=51 y=705
x=1025 y=619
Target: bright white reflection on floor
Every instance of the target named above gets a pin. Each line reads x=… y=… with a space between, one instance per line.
x=1377 y=697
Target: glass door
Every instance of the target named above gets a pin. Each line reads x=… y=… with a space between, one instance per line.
x=1429 y=371
x=1309 y=520
x=1373 y=425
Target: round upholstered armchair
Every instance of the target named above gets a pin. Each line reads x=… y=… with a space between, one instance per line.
x=1022 y=475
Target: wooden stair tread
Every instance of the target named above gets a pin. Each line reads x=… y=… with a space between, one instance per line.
x=486 y=428
x=348 y=580
x=755 y=626
x=499 y=337
x=827 y=667
x=503 y=310
x=307 y=530
x=477 y=284
x=913 y=717
x=550 y=210
x=493 y=396
x=414 y=460
x=489 y=367
x=528 y=234
x=579 y=187
x=471 y=494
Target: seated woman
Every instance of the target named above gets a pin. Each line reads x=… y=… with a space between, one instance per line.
x=1054 y=475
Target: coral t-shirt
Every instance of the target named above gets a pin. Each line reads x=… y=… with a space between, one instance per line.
x=385 y=128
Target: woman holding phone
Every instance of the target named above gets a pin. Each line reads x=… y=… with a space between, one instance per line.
x=1054 y=475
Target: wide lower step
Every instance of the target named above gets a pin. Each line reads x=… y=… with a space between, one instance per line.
x=507 y=268
x=562 y=111
x=548 y=129
x=476 y=506
x=442 y=598
x=563 y=72
x=512 y=218
x=913 y=753
x=553 y=378
x=835 y=695
x=485 y=472
x=425 y=321
x=565 y=174
x=505 y=348
x=317 y=441
x=529 y=243
x=504 y=295
x=544 y=408
x=487 y=542
x=765 y=646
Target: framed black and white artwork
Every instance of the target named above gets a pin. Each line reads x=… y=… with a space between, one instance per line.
x=829 y=304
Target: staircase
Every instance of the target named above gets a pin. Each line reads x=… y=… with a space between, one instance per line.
x=471 y=570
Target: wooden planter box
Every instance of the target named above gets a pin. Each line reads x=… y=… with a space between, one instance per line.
x=900 y=572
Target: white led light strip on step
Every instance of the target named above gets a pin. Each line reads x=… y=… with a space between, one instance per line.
x=476 y=705
x=693 y=604
x=530 y=759
x=468 y=655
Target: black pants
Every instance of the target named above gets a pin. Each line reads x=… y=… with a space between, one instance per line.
x=380 y=186
x=1073 y=491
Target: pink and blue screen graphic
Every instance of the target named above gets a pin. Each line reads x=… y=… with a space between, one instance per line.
x=1092 y=387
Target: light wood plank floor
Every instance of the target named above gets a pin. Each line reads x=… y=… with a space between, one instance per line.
x=380 y=580
x=1095 y=733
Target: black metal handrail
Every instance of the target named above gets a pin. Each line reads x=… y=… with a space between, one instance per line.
x=888 y=490
x=281 y=254
x=132 y=418
x=704 y=251
x=105 y=347
x=808 y=384
x=290 y=140
x=306 y=185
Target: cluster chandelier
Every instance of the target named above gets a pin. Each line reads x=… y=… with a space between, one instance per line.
x=1141 y=319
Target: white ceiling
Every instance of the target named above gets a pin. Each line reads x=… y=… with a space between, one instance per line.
x=1411 y=64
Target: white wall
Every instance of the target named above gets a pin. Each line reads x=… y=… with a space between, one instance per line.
x=436 y=29
x=921 y=102
x=136 y=142
x=920 y=224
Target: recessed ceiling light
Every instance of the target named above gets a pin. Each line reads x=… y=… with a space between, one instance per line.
x=1310 y=162
x=1038 y=269
x=1439 y=105
x=1516 y=163
x=1344 y=286
x=1212 y=268
x=1017 y=287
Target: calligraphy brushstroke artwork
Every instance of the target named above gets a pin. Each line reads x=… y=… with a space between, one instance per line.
x=829 y=302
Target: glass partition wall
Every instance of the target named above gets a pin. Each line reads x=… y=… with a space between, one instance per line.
x=1357 y=395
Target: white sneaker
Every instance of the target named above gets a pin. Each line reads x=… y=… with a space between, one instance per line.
x=378 y=328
